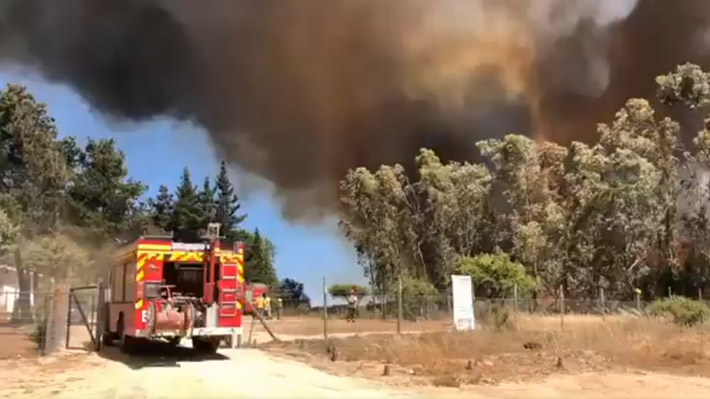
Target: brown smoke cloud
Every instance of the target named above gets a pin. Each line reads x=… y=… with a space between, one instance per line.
x=300 y=91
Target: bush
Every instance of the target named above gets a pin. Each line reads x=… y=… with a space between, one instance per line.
x=496 y=275
x=681 y=310
x=417 y=296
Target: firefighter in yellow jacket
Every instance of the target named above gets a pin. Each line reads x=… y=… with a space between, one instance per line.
x=259 y=304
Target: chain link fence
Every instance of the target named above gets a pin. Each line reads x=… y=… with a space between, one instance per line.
x=23 y=320
x=487 y=311
x=33 y=323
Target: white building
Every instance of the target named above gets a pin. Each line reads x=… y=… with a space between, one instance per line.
x=10 y=288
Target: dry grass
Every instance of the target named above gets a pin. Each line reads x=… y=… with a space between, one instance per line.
x=314 y=326
x=537 y=347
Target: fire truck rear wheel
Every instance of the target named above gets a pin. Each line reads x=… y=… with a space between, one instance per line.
x=206 y=345
x=107 y=338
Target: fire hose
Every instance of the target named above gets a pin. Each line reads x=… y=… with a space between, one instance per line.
x=261 y=319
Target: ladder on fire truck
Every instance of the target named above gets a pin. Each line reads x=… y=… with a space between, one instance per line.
x=229 y=297
x=229 y=272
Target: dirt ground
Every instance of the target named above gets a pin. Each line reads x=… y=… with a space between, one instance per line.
x=251 y=373
x=614 y=357
x=15 y=342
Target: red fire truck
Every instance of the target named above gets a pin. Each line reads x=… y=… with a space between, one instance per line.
x=162 y=289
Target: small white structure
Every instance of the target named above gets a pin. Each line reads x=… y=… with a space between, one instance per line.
x=463 y=302
x=10 y=288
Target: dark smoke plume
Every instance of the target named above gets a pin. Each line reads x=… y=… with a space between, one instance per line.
x=299 y=91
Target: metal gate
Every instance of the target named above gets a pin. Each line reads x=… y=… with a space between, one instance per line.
x=84 y=317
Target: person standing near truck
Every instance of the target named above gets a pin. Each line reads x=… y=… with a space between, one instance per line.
x=259 y=304
x=267 y=306
x=279 y=307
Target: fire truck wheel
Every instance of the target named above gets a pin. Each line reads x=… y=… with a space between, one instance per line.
x=129 y=344
x=205 y=345
x=174 y=341
x=107 y=338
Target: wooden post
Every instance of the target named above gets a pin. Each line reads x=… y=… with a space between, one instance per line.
x=638 y=302
x=100 y=315
x=562 y=307
x=68 y=332
x=700 y=294
x=92 y=320
x=56 y=323
x=325 y=310
x=251 y=328
x=32 y=289
x=399 y=304
x=515 y=304
x=601 y=297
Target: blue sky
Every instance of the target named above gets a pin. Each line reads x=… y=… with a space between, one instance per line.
x=157 y=151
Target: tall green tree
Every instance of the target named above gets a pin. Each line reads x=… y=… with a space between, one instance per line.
x=227 y=205
x=292 y=294
x=187 y=217
x=33 y=168
x=259 y=266
x=206 y=198
x=33 y=174
x=161 y=209
x=627 y=212
x=102 y=196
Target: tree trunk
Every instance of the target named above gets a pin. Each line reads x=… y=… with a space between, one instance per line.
x=22 y=310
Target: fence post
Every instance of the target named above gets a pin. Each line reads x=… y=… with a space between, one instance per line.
x=601 y=297
x=325 y=310
x=515 y=304
x=56 y=328
x=100 y=315
x=638 y=301
x=562 y=307
x=68 y=338
x=399 y=303
x=700 y=294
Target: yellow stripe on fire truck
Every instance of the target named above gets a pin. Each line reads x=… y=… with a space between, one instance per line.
x=154 y=247
x=240 y=273
x=144 y=257
x=185 y=256
x=140 y=275
x=139 y=304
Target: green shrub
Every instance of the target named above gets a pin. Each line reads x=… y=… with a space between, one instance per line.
x=681 y=310
x=495 y=275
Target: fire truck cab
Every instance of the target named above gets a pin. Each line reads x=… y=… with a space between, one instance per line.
x=162 y=289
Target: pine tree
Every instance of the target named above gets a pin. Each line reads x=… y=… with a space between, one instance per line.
x=187 y=215
x=206 y=199
x=227 y=205
x=162 y=208
x=259 y=266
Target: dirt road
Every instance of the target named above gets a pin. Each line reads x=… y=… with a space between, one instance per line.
x=253 y=373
